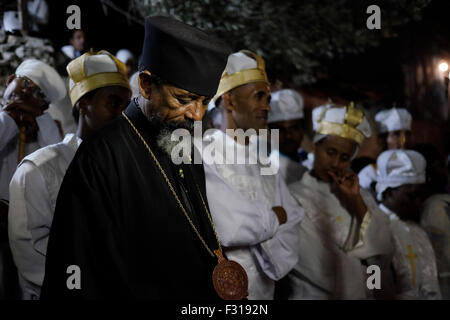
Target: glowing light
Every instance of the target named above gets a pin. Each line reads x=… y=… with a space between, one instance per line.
x=443 y=66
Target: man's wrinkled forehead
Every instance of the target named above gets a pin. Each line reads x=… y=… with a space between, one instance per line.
x=182 y=93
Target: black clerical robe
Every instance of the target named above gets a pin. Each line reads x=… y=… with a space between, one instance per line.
x=117 y=220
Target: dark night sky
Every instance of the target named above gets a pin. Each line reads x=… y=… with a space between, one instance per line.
x=376 y=72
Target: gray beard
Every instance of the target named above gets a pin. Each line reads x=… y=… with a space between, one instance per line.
x=163 y=139
x=165 y=143
x=165 y=128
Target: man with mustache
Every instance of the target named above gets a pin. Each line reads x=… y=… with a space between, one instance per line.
x=257 y=219
x=30 y=90
x=343 y=231
x=130 y=223
x=99 y=92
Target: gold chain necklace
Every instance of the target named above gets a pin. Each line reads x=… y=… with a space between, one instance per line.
x=229 y=278
x=175 y=194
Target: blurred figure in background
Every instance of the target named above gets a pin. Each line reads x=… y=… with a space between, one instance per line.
x=435 y=217
x=400 y=188
x=127 y=58
x=286 y=115
x=394 y=129
x=30 y=90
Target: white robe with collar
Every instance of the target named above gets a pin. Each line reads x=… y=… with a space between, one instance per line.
x=241 y=201
x=48 y=133
x=333 y=244
x=414 y=261
x=34 y=189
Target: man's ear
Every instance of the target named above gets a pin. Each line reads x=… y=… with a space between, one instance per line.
x=145 y=84
x=228 y=101
x=10 y=78
x=81 y=106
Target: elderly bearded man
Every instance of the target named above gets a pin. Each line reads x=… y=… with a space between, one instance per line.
x=135 y=224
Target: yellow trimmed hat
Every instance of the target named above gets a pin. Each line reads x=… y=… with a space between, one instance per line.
x=343 y=121
x=242 y=67
x=95 y=70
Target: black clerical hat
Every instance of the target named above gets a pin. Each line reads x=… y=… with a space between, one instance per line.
x=184 y=56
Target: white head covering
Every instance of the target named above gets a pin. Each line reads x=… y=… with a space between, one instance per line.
x=393 y=119
x=399 y=167
x=95 y=70
x=285 y=105
x=342 y=121
x=242 y=67
x=45 y=77
x=11 y=21
x=238 y=62
x=124 y=55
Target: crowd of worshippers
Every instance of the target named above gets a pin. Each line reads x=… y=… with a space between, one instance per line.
x=107 y=198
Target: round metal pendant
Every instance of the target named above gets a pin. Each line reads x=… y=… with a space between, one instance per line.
x=230 y=280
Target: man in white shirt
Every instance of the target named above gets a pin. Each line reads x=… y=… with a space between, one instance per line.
x=30 y=90
x=286 y=115
x=343 y=231
x=400 y=188
x=99 y=91
x=255 y=216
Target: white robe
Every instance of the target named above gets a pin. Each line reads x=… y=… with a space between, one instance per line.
x=367 y=176
x=241 y=201
x=333 y=244
x=290 y=170
x=414 y=261
x=33 y=192
x=9 y=144
x=435 y=220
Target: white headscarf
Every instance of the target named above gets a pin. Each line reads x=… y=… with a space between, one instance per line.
x=398 y=167
x=45 y=77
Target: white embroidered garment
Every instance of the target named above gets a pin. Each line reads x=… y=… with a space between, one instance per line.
x=435 y=220
x=367 y=176
x=241 y=201
x=333 y=244
x=34 y=190
x=9 y=145
x=414 y=261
